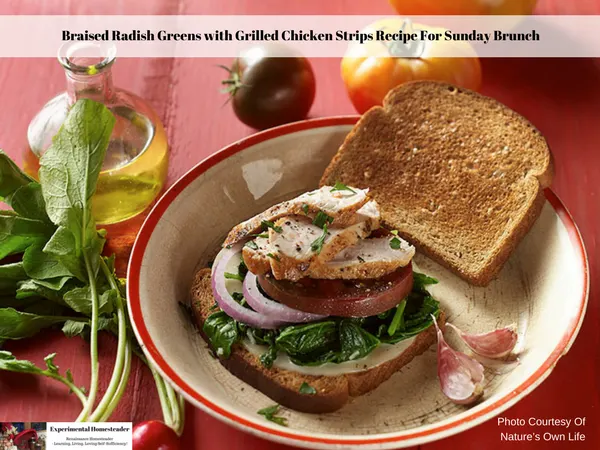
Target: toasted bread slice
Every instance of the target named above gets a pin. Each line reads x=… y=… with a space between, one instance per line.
x=283 y=386
x=459 y=175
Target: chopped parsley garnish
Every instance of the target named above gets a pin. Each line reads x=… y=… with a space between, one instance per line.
x=307 y=389
x=394 y=232
x=234 y=276
x=269 y=414
x=261 y=235
x=342 y=187
x=317 y=245
x=321 y=219
x=252 y=245
x=395 y=243
x=269 y=224
x=275 y=257
x=305 y=209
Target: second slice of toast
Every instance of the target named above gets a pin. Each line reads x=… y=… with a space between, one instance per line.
x=458 y=174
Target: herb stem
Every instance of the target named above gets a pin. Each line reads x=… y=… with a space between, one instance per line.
x=120 y=390
x=174 y=403
x=83 y=416
x=123 y=348
x=78 y=392
x=162 y=395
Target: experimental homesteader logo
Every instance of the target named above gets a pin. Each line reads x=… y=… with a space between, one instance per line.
x=115 y=435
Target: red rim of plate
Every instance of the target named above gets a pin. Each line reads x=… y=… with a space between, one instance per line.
x=152 y=351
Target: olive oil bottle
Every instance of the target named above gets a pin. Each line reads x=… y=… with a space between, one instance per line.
x=136 y=162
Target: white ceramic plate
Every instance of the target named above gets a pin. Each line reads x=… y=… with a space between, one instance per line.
x=543 y=288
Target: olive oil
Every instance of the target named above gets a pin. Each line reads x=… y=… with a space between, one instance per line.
x=133 y=174
x=136 y=162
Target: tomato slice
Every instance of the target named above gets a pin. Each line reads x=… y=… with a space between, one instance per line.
x=343 y=298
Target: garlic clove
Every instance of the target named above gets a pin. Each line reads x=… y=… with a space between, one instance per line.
x=497 y=366
x=461 y=377
x=493 y=344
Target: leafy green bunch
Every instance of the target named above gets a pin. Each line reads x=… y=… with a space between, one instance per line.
x=56 y=274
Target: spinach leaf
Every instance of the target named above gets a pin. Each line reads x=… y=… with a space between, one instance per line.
x=355 y=342
x=308 y=338
x=28 y=201
x=11 y=177
x=398 y=319
x=33 y=288
x=222 y=332
x=69 y=171
x=421 y=280
x=416 y=322
x=17 y=325
x=56 y=284
x=267 y=358
x=10 y=276
x=18 y=233
x=42 y=266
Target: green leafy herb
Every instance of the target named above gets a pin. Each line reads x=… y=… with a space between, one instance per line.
x=234 y=276
x=242 y=269
x=42 y=266
x=261 y=235
x=222 y=333
x=341 y=187
x=72 y=328
x=398 y=319
x=252 y=245
x=394 y=232
x=268 y=224
x=11 y=177
x=269 y=414
x=305 y=208
x=19 y=233
x=322 y=219
x=307 y=389
x=317 y=245
x=275 y=257
x=18 y=325
x=238 y=296
x=10 y=276
x=28 y=202
x=396 y=243
x=267 y=358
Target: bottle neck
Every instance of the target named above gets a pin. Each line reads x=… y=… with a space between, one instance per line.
x=98 y=87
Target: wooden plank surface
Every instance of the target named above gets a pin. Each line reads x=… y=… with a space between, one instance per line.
x=561 y=97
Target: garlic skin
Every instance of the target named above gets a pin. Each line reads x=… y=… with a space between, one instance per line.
x=461 y=377
x=493 y=344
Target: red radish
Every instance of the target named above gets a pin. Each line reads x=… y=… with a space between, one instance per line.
x=154 y=435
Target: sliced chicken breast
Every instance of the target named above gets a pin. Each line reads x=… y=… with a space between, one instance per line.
x=298 y=244
x=255 y=255
x=342 y=205
x=369 y=258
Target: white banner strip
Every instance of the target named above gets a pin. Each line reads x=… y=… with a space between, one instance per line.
x=314 y=36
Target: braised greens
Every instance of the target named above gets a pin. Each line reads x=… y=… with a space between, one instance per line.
x=335 y=339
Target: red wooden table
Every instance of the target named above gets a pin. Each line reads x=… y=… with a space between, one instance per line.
x=561 y=97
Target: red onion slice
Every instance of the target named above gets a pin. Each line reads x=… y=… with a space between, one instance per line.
x=226 y=302
x=461 y=377
x=272 y=309
x=493 y=344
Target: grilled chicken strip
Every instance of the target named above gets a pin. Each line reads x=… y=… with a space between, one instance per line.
x=342 y=205
x=297 y=247
x=256 y=255
x=369 y=258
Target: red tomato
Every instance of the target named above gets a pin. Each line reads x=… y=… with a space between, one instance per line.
x=463 y=7
x=154 y=435
x=343 y=298
x=370 y=71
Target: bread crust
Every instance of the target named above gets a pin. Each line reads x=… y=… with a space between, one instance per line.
x=460 y=175
x=283 y=386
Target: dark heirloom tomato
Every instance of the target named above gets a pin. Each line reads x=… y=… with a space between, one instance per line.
x=267 y=91
x=343 y=298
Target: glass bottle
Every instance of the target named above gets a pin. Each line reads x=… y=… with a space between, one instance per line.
x=135 y=166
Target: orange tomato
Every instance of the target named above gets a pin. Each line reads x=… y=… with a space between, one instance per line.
x=463 y=7
x=370 y=72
